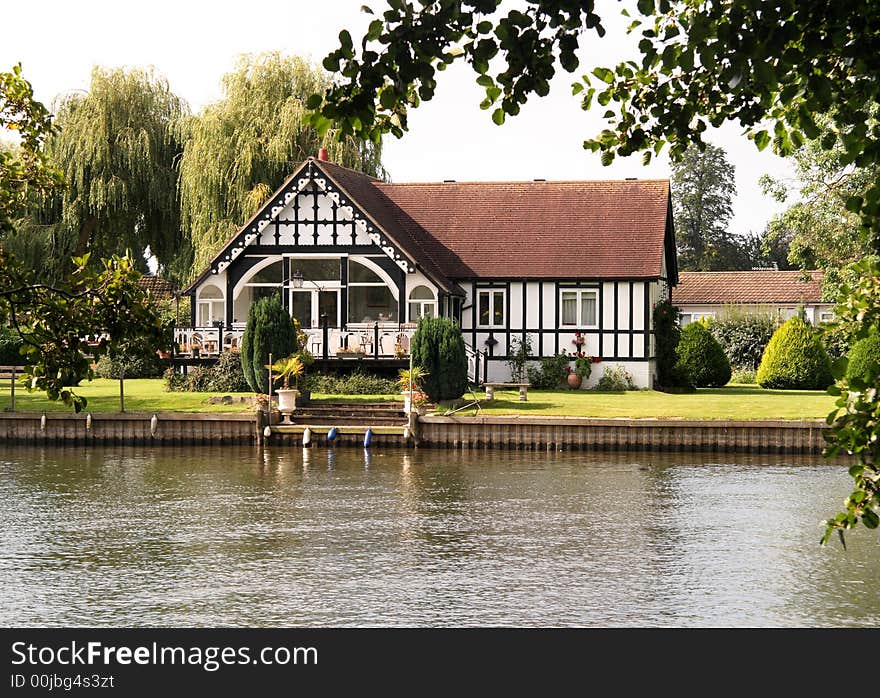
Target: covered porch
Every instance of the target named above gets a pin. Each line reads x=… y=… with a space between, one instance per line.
x=376 y=341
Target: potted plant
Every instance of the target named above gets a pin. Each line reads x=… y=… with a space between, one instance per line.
x=409 y=381
x=583 y=367
x=283 y=370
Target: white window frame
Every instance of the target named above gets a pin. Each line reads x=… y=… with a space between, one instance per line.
x=209 y=304
x=696 y=317
x=491 y=292
x=581 y=293
x=826 y=315
x=385 y=281
x=315 y=287
x=421 y=303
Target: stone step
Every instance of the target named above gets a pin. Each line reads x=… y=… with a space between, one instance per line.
x=351 y=421
x=357 y=405
x=306 y=412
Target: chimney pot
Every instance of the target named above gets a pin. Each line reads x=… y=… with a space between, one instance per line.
x=322 y=154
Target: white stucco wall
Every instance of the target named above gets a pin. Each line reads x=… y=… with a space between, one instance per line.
x=642 y=372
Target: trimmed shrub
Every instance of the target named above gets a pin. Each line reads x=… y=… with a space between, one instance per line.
x=615 y=379
x=438 y=348
x=225 y=376
x=743 y=337
x=357 y=383
x=795 y=359
x=864 y=359
x=549 y=373
x=10 y=344
x=175 y=382
x=138 y=357
x=269 y=330
x=702 y=358
x=743 y=376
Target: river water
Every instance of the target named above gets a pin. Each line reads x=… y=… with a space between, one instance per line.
x=239 y=536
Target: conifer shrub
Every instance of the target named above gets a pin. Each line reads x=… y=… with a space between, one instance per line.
x=702 y=358
x=864 y=357
x=667 y=333
x=795 y=359
x=269 y=330
x=438 y=347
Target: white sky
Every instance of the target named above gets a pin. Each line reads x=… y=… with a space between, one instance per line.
x=194 y=43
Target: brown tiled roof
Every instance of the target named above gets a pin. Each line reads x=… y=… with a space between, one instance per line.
x=368 y=194
x=463 y=230
x=159 y=287
x=574 y=229
x=748 y=287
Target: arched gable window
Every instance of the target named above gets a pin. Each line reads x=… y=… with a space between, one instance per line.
x=209 y=306
x=370 y=298
x=422 y=303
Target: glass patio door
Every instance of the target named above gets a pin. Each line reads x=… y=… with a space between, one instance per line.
x=301 y=308
x=307 y=306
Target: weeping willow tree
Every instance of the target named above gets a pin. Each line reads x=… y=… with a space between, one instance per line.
x=240 y=149
x=117 y=147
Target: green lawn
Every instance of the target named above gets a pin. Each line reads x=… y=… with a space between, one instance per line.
x=731 y=402
x=147 y=395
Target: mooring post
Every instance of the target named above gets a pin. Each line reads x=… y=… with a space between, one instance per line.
x=269 y=403
x=122 y=389
x=260 y=425
x=413 y=424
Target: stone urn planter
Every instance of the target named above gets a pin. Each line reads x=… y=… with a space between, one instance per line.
x=574 y=381
x=409 y=407
x=287 y=399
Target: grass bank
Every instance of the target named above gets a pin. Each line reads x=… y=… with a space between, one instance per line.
x=146 y=395
x=730 y=402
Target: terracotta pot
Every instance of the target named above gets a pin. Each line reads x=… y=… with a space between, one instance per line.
x=574 y=381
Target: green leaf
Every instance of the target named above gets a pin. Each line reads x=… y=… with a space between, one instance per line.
x=762 y=139
x=604 y=74
x=375 y=30
x=498 y=116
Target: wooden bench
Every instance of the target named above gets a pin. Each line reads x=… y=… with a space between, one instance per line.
x=490 y=389
x=11 y=373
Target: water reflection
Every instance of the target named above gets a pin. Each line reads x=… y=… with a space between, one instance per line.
x=351 y=536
